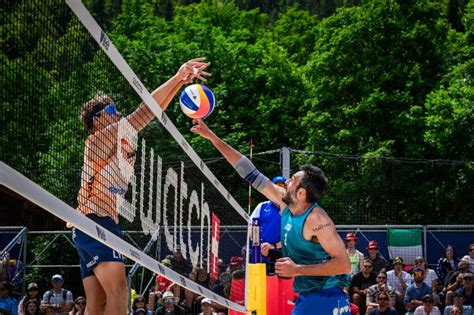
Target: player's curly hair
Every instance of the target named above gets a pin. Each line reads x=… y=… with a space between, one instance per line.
x=88 y=107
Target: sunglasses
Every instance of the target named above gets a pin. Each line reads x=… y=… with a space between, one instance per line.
x=169 y=300
x=80 y=303
x=140 y=301
x=381 y=278
x=418 y=261
x=383 y=299
x=367 y=266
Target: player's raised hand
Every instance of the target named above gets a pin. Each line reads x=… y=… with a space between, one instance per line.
x=194 y=69
x=200 y=128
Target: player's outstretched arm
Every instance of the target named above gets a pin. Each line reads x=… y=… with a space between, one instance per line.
x=324 y=230
x=242 y=164
x=192 y=69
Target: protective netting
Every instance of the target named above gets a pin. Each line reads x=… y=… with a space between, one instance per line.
x=54 y=71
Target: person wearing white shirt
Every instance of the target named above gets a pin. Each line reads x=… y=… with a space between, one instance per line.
x=470 y=258
x=427 y=308
x=398 y=279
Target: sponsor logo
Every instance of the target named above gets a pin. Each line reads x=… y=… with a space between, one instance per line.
x=164 y=118
x=92 y=262
x=104 y=40
x=100 y=233
x=117 y=191
x=135 y=254
x=183 y=280
x=184 y=144
x=137 y=84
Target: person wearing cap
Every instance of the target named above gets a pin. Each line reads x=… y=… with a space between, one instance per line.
x=379 y=263
x=179 y=263
x=399 y=280
x=470 y=257
x=162 y=283
x=169 y=305
x=58 y=298
x=446 y=264
x=428 y=307
x=416 y=291
x=267 y=214
x=355 y=256
x=458 y=302
x=206 y=307
x=32 y=293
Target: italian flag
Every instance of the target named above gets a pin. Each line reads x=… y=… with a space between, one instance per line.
x=405 y=243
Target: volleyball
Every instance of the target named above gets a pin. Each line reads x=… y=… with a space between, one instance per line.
x=197 y=101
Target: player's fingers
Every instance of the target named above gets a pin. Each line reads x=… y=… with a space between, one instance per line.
x=198 y=59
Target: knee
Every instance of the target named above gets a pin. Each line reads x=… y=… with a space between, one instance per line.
x=356 y=298
x=117 y=293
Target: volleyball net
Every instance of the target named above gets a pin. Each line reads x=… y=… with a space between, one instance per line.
x=58 y=62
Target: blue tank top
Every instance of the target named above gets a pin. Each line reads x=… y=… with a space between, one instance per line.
x=306 y=252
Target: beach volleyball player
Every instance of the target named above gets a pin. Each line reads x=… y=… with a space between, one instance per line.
x=109 y=158
x=313 y=251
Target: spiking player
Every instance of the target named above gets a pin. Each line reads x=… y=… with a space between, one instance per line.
x=314 y=253
x=109 y=158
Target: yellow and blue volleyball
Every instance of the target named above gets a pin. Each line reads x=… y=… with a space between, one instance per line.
x=197 y=101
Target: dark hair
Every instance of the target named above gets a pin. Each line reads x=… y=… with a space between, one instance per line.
x=25 y=307
x=7 y=285
x=313 y=181
x=88 y=107
x=384 y=294
x=141 y=297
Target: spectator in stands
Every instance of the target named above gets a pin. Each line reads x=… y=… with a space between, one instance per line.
x=58 y=298
x=428 y=307
x=31 y=307
x=383 y=307
x=374 y=291
x=267 y=214
x=79 y=306
x=360 y=284
x=448 y=262
x=32 y=293
x=161 y=283
x=467 y=289
x=8 y=269
x=379 y=264
x=416 y=291
x=430 y=275
x=456 y=280
x=398 y=279
x=470 y=257
x=170 y=305
x=355 y=256
x=140 y=303
x=49 y=310
x=206 y=307
x=455 y=311
x=8 y=304
x=458 y=301
x=201 y=277
x=180 y=264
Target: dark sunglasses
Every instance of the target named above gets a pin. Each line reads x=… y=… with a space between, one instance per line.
x=383 y=299
x=81 y=303
x=367 y=266
x=138 y=301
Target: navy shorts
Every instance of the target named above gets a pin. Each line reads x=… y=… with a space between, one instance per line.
x=92 y=252
x=332 y=301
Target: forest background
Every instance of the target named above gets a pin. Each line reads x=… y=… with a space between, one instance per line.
x=380 y=93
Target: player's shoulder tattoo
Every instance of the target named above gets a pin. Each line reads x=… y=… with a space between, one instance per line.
x=321 y=222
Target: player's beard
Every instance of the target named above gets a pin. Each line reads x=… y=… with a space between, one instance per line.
x=288 y=198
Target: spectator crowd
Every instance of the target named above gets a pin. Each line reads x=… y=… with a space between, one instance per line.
x=377 y=286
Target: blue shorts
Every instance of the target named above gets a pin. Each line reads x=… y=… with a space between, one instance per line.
x=92 y=252
x=332 y=301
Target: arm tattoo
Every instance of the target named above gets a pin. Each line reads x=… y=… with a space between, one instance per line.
x=321 y=226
